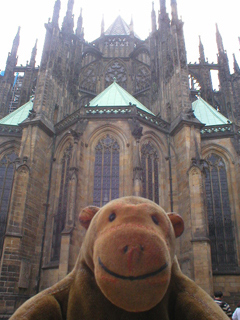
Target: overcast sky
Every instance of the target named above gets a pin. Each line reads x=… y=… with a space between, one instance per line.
x=199 y=17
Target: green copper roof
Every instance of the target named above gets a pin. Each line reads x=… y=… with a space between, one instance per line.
x=19 y=115
x=116 y=96
x=206 y=114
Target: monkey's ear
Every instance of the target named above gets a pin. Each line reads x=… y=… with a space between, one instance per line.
x=86 y=215
x=177 y=223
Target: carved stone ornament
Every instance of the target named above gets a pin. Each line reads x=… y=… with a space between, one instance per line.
x=79 y=129
x=32 y=114
x=190 y=114
x=136 y=129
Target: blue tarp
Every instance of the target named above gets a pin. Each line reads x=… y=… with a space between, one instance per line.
x=15 y=80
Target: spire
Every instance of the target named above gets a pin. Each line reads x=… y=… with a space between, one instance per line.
x=79 y=30
x=56 y=12
x=33 y=56
x=102 y=26
x=68 y=23
x=201 y=51
x=131 y=26
x=163 y=18
x=219 y=40
x=174 y=10
x=235 y=65
x=162 y=6
x=15 y=43
x=70 y=6
x=153 y=15
x=12 y=57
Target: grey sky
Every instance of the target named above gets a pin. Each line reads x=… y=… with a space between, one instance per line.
x=199 y=18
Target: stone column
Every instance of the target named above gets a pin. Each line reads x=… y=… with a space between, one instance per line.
x=200 y=242
x=71 y=202
x=136 y=130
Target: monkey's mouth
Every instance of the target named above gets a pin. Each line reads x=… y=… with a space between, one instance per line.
x=132 y=278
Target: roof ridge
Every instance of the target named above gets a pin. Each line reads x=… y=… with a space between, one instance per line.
x=115 y=95
x=207 y=114
x=214 y=111
x=18 y=115
x=120 y=89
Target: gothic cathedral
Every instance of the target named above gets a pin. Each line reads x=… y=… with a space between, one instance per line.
x=115 y=117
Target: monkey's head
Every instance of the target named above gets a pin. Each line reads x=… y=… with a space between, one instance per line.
x=130 y=246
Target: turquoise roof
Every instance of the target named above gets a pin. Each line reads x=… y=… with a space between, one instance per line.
x=206 y=114
x=116 y=96
x=19 y=115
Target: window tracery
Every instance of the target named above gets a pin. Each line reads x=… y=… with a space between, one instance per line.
x=219 y=213
x=142 y=79
x=60 y=217
x=106 y=171
x=116 y=71
x=7 y=169
x=194 y=83
x=88 y=79
x=117 y=42
x=150 y=166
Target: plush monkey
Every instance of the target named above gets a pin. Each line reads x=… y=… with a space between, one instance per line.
x=126 y=269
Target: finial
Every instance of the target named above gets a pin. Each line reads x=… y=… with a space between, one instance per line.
x=68 y=22
x=102 y=25
x=56 y=12
x=131 y=25
x=201 y=51
x=235 y=64
x=153 y=15
x=79 y=30
x=219 y=40
x=162 y=6
x=174 y=10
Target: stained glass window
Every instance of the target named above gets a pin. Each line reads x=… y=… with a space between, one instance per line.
x=60 y=217
x=7 y=168
x=220 y=224
x=106 y=171
x=150 y=166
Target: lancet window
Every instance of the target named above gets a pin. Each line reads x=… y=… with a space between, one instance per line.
x=106 y=171
x=60 y=217
x=7 y=168
x=150 y=166
x=220 y=224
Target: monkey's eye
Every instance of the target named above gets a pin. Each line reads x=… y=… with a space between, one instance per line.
x=155 y=220
x=112 y=216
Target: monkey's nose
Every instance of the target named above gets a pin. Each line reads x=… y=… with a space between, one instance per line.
x=137 y=248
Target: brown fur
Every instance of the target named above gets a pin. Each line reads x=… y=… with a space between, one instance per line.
x=126 y=269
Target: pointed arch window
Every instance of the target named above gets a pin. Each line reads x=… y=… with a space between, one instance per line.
x=220 y=224
x=150 y=166
x=7 y=169
x=106 y=171
x=60 y=217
